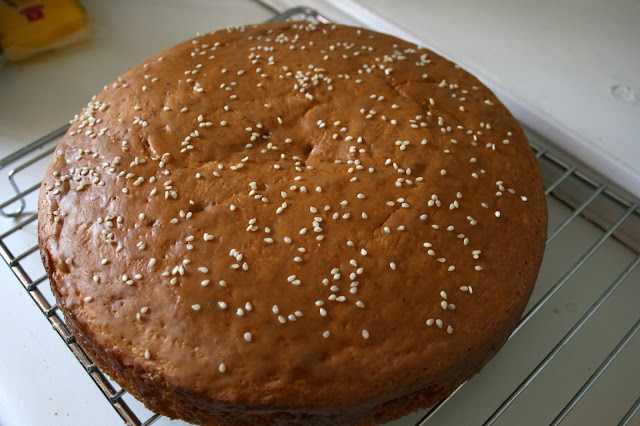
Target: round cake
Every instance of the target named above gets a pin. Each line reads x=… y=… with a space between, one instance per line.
x=292 y=223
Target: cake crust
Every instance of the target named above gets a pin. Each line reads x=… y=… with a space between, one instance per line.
x=292 y=222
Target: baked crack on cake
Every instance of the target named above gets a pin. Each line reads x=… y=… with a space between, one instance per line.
x=292 y=223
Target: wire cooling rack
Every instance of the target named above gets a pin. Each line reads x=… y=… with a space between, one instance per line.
x=590 y=268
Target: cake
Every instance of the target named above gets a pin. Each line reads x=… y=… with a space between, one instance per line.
x=292 y=223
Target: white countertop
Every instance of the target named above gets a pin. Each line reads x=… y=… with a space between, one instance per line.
x=555 y=61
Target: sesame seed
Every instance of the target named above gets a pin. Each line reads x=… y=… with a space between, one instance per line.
x=147 y=354
x=222 y=368
x=365 y=334
x=326 y=334
x=195 y=307
x=88 y=299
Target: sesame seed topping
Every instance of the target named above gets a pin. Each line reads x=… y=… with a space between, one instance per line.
x=347 y=149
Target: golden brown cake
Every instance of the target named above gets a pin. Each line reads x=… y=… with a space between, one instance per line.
x=292 y=222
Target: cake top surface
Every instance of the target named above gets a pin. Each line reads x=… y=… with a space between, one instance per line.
x=294 y=213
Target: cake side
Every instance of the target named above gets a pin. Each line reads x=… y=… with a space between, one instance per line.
x=283 y=227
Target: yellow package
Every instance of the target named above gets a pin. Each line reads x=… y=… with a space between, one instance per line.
x=28 y=27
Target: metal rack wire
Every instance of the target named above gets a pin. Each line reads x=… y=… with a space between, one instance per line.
x=581 y=197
